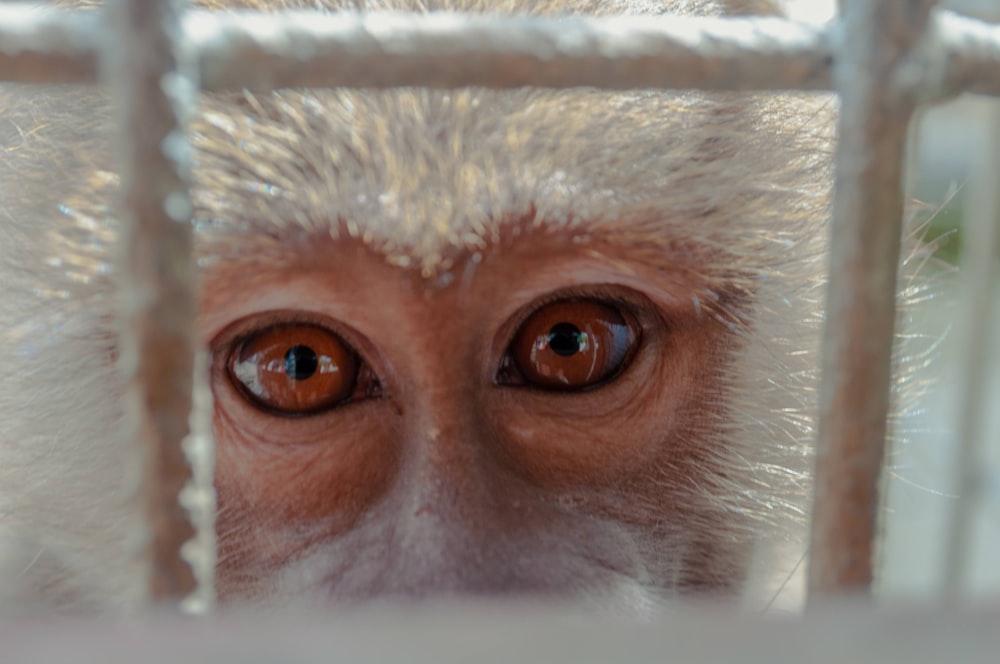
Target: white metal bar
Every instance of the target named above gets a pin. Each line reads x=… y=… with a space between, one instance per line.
x=861 y=291
x=449 y=50
x=380 y=49
x=156 y=272
x=39 y=45
x=480 y=632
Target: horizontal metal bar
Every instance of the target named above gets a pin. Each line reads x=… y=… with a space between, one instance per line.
x=447 y=50
x=468 y=631
x=45 y=46
x=307 y=49
x=971 y=58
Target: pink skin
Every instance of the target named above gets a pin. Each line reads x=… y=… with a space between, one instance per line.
x=446 y=481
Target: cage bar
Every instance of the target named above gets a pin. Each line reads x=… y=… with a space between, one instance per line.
x=471 y=632
x=447 y=50
x=384 y=49
x=861 y=291
x=156 y=274
x=969 y=52
x=38 y=45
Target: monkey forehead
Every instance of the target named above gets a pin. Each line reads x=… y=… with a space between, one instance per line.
x=424 y=177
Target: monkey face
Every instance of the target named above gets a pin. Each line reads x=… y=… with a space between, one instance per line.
x=459 y=347
x=398 y=439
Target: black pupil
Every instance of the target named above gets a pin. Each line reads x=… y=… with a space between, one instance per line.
x=565 y=339
x=300 y=362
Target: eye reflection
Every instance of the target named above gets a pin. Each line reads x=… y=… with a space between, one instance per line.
x=301 y=362
x=295 y=369
x=572 y=345
x=566 y=339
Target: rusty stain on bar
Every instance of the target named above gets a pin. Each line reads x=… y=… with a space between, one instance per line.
x=860 y=312
x=157 y=273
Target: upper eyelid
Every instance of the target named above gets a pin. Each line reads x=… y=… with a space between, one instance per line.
x=633 y=305
x=239 y=332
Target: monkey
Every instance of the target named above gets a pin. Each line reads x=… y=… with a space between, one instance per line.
x=464 y=343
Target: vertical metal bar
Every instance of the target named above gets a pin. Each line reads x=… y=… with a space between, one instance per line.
x=860 y=311
x=981 y=239
x=156 y=273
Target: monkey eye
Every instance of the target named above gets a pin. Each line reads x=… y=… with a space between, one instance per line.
x=295 y=369
x=570 y=345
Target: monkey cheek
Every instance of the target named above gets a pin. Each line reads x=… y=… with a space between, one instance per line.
x=597 y=437
x=287 y=485
x=334 y=520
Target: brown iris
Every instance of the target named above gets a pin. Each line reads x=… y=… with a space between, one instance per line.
x=295 y=369
x=572 y=345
